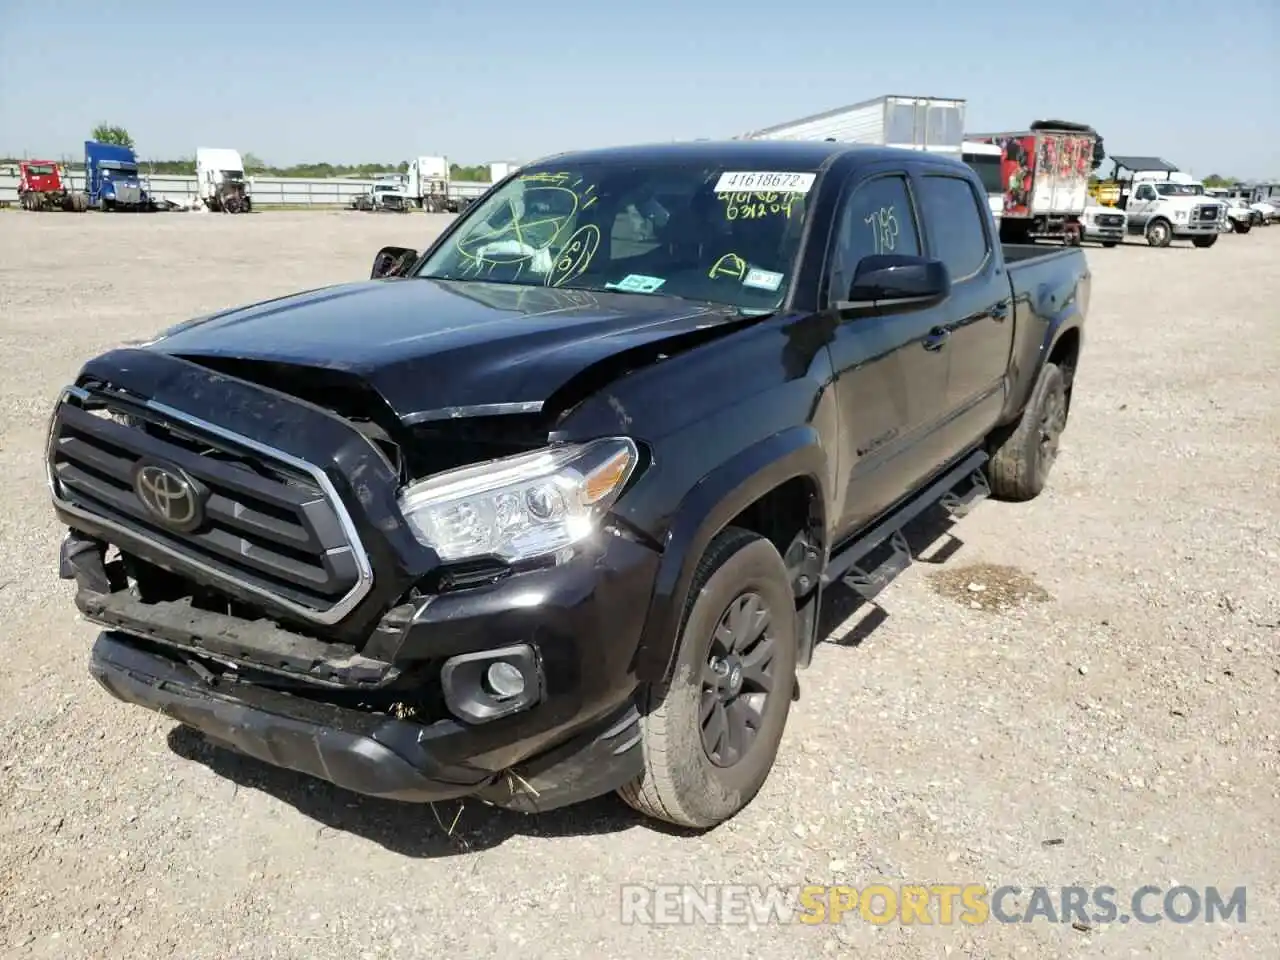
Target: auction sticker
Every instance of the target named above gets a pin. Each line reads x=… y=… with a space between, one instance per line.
x=636 y=283
x=747 y=181
x=763 y=279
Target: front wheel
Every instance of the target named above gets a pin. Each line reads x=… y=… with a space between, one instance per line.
x=1159 y=233
x=1205 y=243
x=1110 y=243
x=1241 y=227
x=710 y=735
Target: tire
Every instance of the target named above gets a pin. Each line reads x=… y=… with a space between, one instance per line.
x=681 y=783
x=1022 y=458
x=1110 y=243
x=1204 y=243
x=1159 y=233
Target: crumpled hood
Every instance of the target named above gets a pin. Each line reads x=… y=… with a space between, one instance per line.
x=431 y=346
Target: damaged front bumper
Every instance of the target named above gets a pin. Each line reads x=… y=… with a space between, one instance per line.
x=326 y=710
x=376 y=756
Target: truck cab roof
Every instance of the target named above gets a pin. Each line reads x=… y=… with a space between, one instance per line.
x=746 y=154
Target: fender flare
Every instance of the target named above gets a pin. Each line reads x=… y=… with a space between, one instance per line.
x=705 y=510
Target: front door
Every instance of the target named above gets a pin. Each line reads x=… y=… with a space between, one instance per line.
x=890 y=370
x=1138 y=210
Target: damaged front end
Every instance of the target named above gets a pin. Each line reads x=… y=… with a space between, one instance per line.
x=256 y=579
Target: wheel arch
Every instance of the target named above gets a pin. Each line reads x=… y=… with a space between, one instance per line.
x=774 y=488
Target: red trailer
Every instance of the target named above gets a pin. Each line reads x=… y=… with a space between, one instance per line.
x=1045 y=173
x=43 y=186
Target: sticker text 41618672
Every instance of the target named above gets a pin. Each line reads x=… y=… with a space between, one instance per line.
x=747 y=181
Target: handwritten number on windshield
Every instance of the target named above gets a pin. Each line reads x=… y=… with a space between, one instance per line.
x=884 y=229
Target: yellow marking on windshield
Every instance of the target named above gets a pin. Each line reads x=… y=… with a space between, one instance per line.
x=576 y=255
x=754 y=206
x=730 y=265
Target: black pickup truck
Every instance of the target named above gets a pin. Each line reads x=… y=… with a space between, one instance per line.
x=549 y=510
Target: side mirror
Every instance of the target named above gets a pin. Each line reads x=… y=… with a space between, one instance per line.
x=392 y=262
x=897 y=283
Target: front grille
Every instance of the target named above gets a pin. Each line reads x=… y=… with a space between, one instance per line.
x=270 y=525
x=1110 y=220
x=1207 y=213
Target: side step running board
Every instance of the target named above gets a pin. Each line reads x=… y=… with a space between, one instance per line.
x=957 y=491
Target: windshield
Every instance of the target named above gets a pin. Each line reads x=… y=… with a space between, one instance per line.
x=701 y=233
x=987 y=167
x=39 y=169
x=233 y=175
x=1176 y=190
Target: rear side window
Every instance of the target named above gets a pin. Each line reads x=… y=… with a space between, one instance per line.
x=955 y=223
x=877 y=219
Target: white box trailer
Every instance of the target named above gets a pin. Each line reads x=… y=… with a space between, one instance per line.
x=893 y=120
x=501 y=169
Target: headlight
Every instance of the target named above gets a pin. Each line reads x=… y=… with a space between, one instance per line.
x=520 y=507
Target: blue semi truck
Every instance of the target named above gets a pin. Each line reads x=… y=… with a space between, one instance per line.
x=111 y=179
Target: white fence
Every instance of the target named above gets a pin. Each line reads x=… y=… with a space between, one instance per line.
x=266 y=191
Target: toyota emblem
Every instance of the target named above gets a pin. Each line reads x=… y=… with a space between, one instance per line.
x=170 y=495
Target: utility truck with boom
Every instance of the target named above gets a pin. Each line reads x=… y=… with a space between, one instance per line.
x=550 y=509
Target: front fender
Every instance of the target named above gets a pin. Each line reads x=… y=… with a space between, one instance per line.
x=714 y=501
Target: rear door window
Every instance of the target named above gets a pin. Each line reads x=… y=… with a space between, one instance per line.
x=956 y=224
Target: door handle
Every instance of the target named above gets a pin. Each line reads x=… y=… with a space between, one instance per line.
x=937 y=339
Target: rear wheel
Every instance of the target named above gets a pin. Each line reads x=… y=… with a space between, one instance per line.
x=1023 y=456
x=710 y=735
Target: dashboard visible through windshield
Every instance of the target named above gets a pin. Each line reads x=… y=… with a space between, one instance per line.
x=700 y=233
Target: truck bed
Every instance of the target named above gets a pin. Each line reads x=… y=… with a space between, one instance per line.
x=1017 y=254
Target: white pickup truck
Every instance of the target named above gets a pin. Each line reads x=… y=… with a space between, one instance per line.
x=1102 y=224
x=1163 y=206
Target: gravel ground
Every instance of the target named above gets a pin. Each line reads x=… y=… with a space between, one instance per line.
x=1082 y=693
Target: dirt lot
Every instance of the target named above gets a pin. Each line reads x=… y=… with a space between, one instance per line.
x=1083 y=693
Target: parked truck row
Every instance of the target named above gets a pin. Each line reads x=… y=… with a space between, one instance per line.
x=1038 y=178
x=111 y=182
x=426 y=185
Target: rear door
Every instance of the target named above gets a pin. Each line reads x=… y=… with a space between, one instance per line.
x=890 y=371
x=960 y=234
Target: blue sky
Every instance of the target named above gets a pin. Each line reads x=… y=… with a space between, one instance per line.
x=296 y=81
